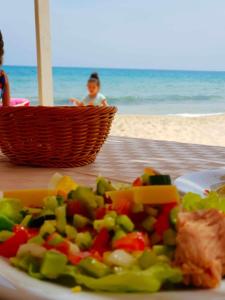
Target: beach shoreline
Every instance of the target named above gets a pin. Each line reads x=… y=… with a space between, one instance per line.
x=205 y=130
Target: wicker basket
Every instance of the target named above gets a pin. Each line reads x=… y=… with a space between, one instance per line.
x=54 y=136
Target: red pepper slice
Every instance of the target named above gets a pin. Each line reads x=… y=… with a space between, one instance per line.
x=122 y=206
x=137 y=182
x=76 y=207
x=101 y=242
x=10 y=247
x=135 y=241
x=100 y=213
x=77 y=257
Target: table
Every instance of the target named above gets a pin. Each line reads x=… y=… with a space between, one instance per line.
x=121 y=159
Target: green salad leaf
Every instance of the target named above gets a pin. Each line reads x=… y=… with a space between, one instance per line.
x=194 y=202
x=149 y=280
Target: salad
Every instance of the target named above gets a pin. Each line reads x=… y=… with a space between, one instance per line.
x=112 y=238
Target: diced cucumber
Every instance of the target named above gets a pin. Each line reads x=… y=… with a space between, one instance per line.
x=80 y=221
x=108 y=222
x=56 y=239
x=173 y=215
x=125 y=222
x=71 y=232
x=34 y=270
x=50 y=203
x=162 y=250
x=47 y=228
x=53 y=264
x=23 y=262
x=103 y=186
x=119 y=234
x=86 y=195
x=94 y=268
x=11 y=209
x=84 y=240
x=60 y=213
x=148 y=223
x=112 y=214
x=38 y=239
x=147 y=259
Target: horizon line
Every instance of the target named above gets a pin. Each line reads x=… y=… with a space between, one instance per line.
x=121 y=68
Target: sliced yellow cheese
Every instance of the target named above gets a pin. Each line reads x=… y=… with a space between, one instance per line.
x=153 y=194
x=122 y=194
x=156 y=194
x=31 y=198
x=62 y=183
x=150 y=171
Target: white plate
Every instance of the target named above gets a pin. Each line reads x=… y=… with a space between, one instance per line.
x=15 y=285
x=198 y=182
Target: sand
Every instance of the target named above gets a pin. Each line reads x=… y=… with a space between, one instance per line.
x=207 y=130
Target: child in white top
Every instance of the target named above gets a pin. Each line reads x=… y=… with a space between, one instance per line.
x=94 y=96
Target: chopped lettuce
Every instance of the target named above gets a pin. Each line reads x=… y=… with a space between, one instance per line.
x=194 y=202
x=11 y=209
x=149 y=280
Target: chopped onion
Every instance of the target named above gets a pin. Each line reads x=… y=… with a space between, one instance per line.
x=54 y=181
x=119 y=258
x=32 y=249
x=74 y=249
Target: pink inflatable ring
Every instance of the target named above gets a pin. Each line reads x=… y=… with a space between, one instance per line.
x=19 y=102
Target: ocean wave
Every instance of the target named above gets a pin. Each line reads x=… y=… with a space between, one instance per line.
x=162 y=98
x=188 y=115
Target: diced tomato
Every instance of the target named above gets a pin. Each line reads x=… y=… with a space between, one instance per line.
x=137 y=182
x=32 y=232
x=122 y=206
x=75 y=207
x=166 y=208
x=10 y=247
x=77 y=257
x=100 y=213
x=101 y=242
x=63 y=247
x=162 y=224
x=135 y=241
x=137 y=218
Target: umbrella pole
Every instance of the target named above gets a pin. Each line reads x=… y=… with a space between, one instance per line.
x=44 y=55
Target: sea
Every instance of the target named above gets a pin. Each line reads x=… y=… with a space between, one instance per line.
x=148 y=92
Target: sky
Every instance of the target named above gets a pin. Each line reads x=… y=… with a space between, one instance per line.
x=151 y=34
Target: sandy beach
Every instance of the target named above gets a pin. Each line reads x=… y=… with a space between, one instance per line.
x=208 y=130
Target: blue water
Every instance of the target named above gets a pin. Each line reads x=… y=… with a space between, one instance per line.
x=133 y=91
